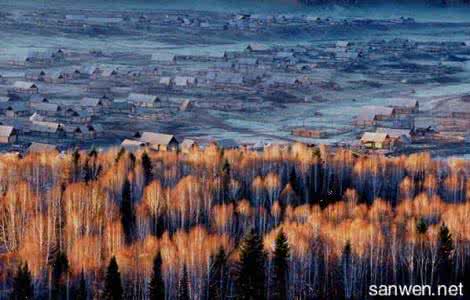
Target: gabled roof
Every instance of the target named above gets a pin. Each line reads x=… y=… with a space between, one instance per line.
x=188 y=143
x=45 y=106
x=90 y=102
x=48 y=127
x=403 y=102
x=132 y=143
x=6 y=131
x=395 y=133
x=369 y=113
x=376 y=137
x=38 y=98
x=41 y=147
x=157 y=138
x=24 y=85
x=257 y=47
x=136 y=97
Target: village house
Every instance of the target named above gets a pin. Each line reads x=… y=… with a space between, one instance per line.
x=132 y=145
x=375 y=140
x=122 y=106
x=143 y=100
x=47 y=129
x=165 y=81
x=25 y=87
x=55 y=77
x=256 y=47
x=45 y=108
x=309 y=133
x=92 y=105
x=37 y=75
x=188 y=145
x=7 y=134
x=167 y=58
x=185 y=105
x=42 y=147
x=404 y=106
x=371 y=114
x=184 y=81
x=16 y=110
x=397 y=136
x=159 y=141
x=36 y=98
x=77 y=116
x=424 y=126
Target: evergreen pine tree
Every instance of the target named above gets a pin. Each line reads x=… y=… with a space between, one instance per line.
x=421 y=226
x=218 y=275
x=445 y=255
x=81 y=292
x=280 y=267
x=346 y=270
x=127 y=212
x=294 y=182
x=113 y=286
x=22 y=284
x=147 y=167
x=226 y=178
x=60 y=267
x=157 y=286
x=119 y=155
x=183 y=286
x=250 y=273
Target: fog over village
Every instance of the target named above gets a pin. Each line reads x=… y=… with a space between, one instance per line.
x=232 y=150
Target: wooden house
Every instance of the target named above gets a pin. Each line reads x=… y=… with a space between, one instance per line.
x=8 y=134
x=375 y=140
x=143 y=100
x=25 y=87
x=159 y=141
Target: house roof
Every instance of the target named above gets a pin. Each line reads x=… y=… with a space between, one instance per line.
x=395 y=133
x=136 y=97
x=45 y=106
x=188 y=143
x=36 y=117
x=38 y=98
x=403 y=102
x=90 y=102
x=157 y=138
x=41 y=147
x=132 y=143
x=48 y=127
x=376 y=137
x=6 y=131
x=168 y=57
x=369 y=113
x=257 y=47
x=184 y=80
x=165 y=80
x=24 y=85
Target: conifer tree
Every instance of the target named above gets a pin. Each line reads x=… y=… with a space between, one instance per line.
x=421 y=226
x=81 y=292
x=147 y=167
x=218 y=276
x=183 y=286
x=157 y=286
x=280 y=267
x=445 y=255
x=250 y=273
x=22 y=284
x=113 y=286
x=226 y=178
x=60 y=267
x=128 y=218
x=346 y=270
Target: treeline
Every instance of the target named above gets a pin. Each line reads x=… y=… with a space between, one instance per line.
x=286 y=223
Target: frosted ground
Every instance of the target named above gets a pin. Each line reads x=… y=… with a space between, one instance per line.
x=273 y=122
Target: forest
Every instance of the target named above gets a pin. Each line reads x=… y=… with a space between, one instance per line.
x=291 y=222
